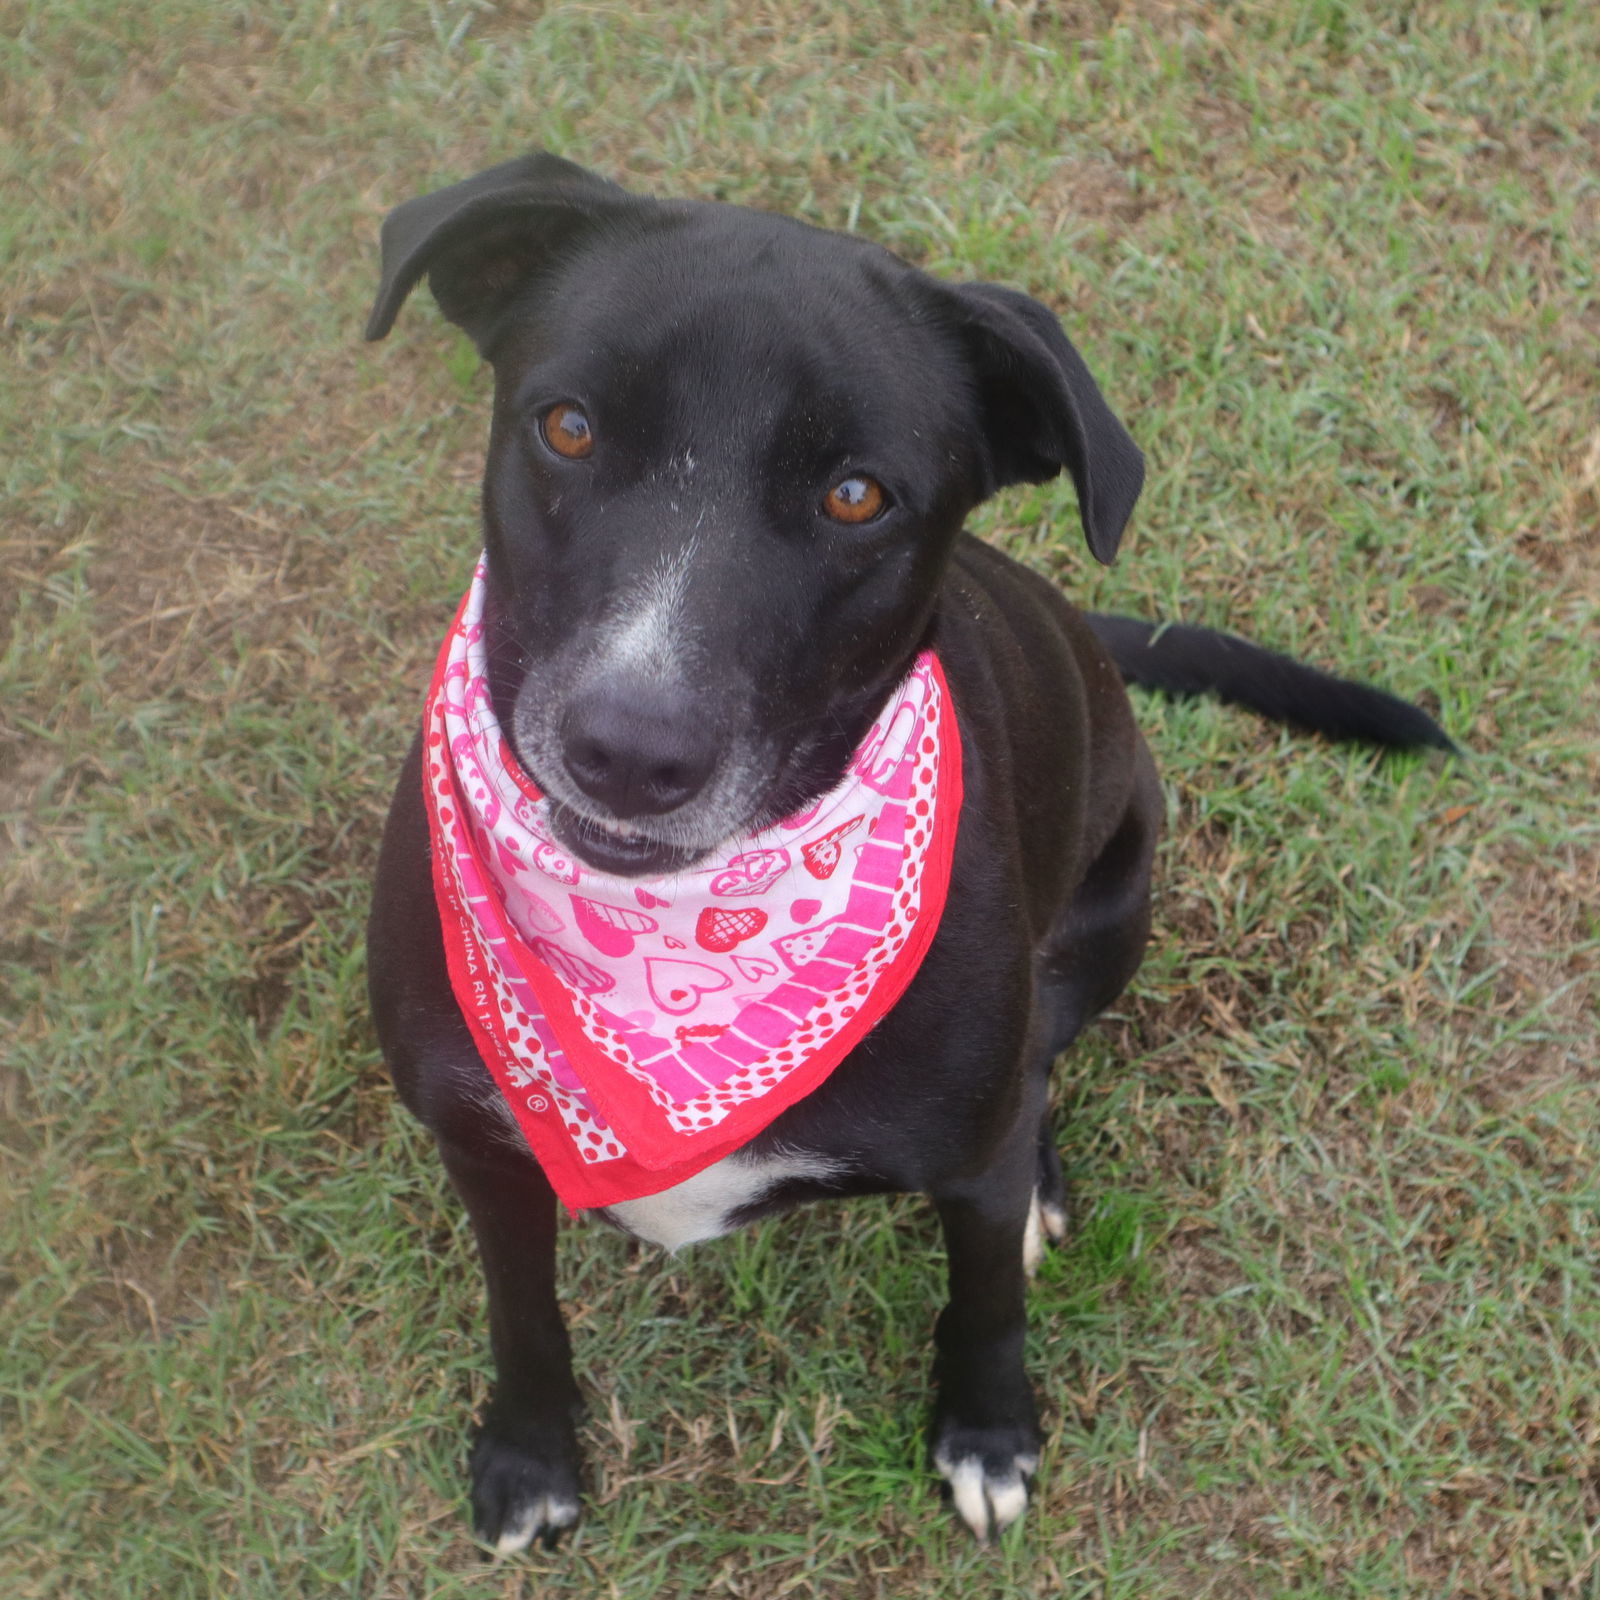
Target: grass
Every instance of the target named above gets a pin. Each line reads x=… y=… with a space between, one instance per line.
x=1329 y=1323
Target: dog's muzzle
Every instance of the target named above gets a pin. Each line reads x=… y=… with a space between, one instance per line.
x=636 y=748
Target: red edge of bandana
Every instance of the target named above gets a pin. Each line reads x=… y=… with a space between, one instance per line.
x=582 y=1186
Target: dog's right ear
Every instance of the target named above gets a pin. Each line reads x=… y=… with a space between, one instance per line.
x=480 y=239
x=1042 y=409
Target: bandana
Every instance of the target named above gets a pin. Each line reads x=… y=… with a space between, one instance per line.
x=642 y=1028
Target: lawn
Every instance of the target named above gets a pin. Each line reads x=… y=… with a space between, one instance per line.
x=1328 y=1323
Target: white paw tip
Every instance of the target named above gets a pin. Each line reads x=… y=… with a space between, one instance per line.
x=543 y=1516
x=986 y=1504
x=966 y=1488
x=1033 y=1238
x=1054 y=1218
x=517 y=1536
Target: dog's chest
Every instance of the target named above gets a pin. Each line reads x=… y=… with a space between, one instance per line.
x=709 y=1204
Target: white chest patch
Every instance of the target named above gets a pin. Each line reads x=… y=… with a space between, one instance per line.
x=702 y=1207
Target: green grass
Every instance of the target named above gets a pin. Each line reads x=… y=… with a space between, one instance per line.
x=1329 y=1323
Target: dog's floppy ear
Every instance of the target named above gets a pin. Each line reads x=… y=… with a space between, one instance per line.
x=1043 y=411
x=479 y=239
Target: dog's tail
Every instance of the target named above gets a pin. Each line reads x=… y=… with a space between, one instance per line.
x=1181 y=660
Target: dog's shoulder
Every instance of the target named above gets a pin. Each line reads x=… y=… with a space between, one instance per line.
x=1044 y=715
x=1016 y=647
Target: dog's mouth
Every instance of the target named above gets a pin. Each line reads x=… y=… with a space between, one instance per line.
x=619 y=848
x=646 y=845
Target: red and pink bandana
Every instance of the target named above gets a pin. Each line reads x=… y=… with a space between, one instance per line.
x=641 y=1029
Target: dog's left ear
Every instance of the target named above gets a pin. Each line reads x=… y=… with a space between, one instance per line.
x=479 y=240
x=1042 y=410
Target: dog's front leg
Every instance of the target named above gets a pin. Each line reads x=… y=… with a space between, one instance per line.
x=986 y=1426
x=525 y=1462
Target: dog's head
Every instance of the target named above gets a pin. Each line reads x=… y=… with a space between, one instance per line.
x=729 y=458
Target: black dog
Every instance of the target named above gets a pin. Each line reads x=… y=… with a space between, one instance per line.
x=730 y=460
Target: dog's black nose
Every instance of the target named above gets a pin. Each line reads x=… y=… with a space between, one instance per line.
x=639 y=751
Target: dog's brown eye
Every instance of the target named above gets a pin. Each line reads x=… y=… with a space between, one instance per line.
x=855 y=500
x=567 y=432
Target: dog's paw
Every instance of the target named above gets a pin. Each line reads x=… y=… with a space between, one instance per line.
x=990 y=1490
x=1033 y=1237
x=523 y=1489
x=989 y=1472
x=1053 y=1219
x=1047 y=1220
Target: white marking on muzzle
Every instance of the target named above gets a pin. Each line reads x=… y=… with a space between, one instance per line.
x=645 y=635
